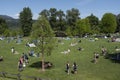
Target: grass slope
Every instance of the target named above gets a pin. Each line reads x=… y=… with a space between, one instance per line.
x=105 y=69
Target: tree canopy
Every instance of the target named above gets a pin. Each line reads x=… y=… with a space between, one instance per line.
x=68 y=22
x=71 y=17
x=83 y=26
x=94 y=23
x=26 y=21
x=43 y=32
x=108 y=23
x=3 y=25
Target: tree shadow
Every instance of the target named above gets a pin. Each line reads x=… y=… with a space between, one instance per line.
x=115 y=57
x=38 y=65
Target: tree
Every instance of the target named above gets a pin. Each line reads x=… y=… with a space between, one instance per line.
x=3 y=25
x=118 y=23
x=42 y=31
x=108 y=23
x=68 y=31
x=61 y=20
x=45 y=13
x=83 y=26
x=7 y=32
x=26 y=21
x=53 y=18
x=94 y=23
x=71 y=17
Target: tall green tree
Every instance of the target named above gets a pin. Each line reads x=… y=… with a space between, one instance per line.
x=42 y=31
x=71 y=17
x=45 y=13
x=83 y=26
x=53 y=18
x=61 y=21
x=26 y=21
x=94 y=23
x=108 y=23
x=3 y=25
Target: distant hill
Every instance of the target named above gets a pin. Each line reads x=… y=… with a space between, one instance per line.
x=11 y=22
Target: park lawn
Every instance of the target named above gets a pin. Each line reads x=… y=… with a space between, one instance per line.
x=105 y=69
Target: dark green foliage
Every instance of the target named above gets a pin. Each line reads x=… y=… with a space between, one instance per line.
x=45 y=13
x=68 y=31
x=65 y=22
x=71 y=17
x=56 y=18
x=94 y=23
x=26 y=21
x=7 y=32
x=118 y=23
x=3 y=25
x=53 y=18
x=83 y=26
x=108 y=23
x=61 y=21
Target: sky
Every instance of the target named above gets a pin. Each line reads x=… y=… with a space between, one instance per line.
x=86 y=7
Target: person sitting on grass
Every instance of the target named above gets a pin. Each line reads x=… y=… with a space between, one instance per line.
x=79 y=48
x=96 y=57
x=104 y=50
x=20 y=64
x=1 y=58
x=48 y=65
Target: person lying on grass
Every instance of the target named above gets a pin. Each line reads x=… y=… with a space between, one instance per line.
x=1 y=58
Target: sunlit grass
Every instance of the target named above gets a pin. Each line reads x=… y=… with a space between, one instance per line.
x=105 y=69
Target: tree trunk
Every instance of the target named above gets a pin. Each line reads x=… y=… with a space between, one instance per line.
x=43 y=67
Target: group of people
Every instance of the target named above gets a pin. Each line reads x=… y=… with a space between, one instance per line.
x=96 y=55
x=74 y=66
x=22 y=62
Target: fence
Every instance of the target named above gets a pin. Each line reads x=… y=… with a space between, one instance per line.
x=19 y=76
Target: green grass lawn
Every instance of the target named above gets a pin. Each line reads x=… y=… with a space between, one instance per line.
x=105 y=69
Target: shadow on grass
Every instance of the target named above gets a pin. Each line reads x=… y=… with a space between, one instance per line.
x=115 y=57
x=38 y=65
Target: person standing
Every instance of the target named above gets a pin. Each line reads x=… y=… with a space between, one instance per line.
x=75 y=67
x=20 y=64
x=67 y=67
